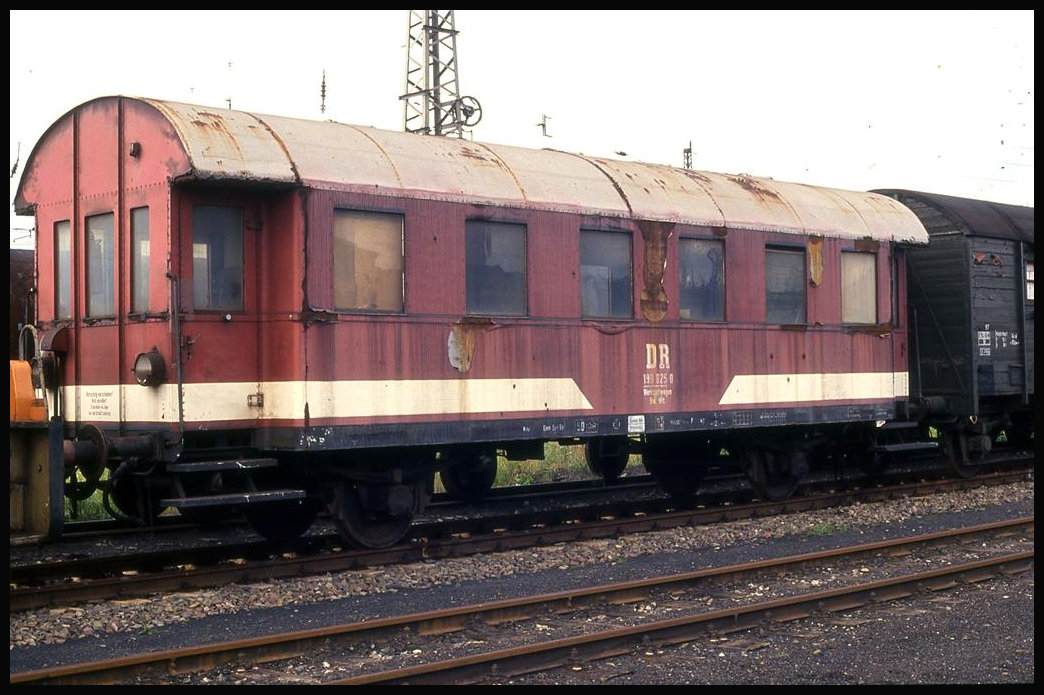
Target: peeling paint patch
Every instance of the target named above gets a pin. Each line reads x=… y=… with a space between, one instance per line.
x=462 y=340
x=654 y=299
x=815 y=260
x=871 y=245
x=983 y=258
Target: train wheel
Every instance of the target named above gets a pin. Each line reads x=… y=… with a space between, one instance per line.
x=607 y=458
x=471 y=476
x=962 y=458
x=365 y=524
x=281 y=522
x=77 y=489
x=1020 y=431
x=775 y=476
x=132 y=501
x=676 y=467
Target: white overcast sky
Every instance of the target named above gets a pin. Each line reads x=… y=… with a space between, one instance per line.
x=940 y=101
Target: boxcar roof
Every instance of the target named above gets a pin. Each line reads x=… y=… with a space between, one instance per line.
x=945 y=213
x=223 y=144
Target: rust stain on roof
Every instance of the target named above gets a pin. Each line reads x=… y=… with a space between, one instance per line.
x=755 y=186
x=216 y=127
x=231 y=144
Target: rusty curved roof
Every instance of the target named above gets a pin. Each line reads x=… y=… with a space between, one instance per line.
x=237 y=145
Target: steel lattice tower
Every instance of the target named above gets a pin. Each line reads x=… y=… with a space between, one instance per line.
x=432 y=103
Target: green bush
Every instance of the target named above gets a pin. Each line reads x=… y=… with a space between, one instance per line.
x=561 y=462
x=90 y=509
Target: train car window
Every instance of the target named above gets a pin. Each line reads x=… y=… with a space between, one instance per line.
x=368 y=261
x=101 y=265
x=139 y=221
x=858 y=287
x=495 y=259
x=62 y=270
x=217 y=257
x=784 y=285
x=1029 y=281
x=605 y=274
x=701 y=268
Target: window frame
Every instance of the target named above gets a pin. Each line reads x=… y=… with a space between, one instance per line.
x=140 y=265
x=210 y=307
x=720 y=244
x=851 y=254
x=334 y=240
x=63 y=260
x=100 y=269
x=1027 y=276
x=486 y=225
x=793 y=251
x=612 y=299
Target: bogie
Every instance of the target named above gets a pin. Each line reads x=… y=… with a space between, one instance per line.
x=774 y=475
x=469 y=473
x=372 y=516
x=678 y=464
x=607 y=457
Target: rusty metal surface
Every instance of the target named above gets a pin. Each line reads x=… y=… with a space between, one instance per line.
x=262 y=148
x=653 y=297
x=516 y=368
x=222 y=143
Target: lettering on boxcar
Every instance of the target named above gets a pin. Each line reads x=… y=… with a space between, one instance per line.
x=587 y=426
x=984 y=342
x=657 y=379
x=657 y=356
x=99 y=403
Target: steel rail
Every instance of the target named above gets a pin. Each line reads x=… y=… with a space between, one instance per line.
x=299 y=643
x=122 y=578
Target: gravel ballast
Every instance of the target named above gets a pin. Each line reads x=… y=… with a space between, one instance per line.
x=981 y=633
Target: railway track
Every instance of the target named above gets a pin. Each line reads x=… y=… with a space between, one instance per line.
x=70 y=582
x=726 y=477
x=173 y=523
x=492 y=642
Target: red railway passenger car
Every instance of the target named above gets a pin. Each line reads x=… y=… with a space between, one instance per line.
x=237 y=309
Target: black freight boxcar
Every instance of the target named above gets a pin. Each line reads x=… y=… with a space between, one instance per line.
x=971 y=300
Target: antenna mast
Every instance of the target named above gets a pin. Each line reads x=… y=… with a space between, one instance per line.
x=432 y=104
